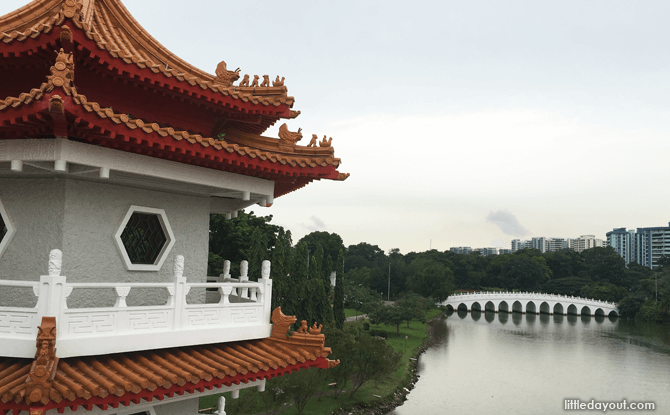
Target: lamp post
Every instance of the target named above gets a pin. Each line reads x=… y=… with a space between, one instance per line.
x=388 y=297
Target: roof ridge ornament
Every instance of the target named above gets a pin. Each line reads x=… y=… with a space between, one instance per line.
x=71 y=8
x=62 y=72
x=43 y=370
x=326 y=143
x=224 y=76
x=287 y=139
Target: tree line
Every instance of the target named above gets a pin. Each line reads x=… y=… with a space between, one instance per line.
x=364 y=271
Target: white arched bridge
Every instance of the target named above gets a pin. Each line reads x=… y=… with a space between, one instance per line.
x=526 y=302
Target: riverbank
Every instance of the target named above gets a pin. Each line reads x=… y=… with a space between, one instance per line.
x=372 y=398
x=386 y=403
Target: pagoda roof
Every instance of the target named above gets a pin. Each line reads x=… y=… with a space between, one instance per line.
x=56 y=110
x=109 y=25
x=48 y=382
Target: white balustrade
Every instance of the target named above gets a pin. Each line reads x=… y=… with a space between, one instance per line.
x=242 y=312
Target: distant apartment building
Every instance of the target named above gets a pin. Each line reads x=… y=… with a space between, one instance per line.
x=651 y=244
x=585 y=242
x=488 y=251
x=557 y=244
x=543 y=244
x=461 y=250
x=503 y=251
x=623 y=242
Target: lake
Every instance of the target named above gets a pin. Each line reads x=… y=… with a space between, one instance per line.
x=530 y=364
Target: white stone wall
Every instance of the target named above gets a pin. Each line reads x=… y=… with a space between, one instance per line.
x=80 y=218
x=185 y=407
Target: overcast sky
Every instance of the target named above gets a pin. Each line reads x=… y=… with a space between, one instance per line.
x=465 y=123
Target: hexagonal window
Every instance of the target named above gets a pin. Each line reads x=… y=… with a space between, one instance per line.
x=144 y=238
x=7 y=230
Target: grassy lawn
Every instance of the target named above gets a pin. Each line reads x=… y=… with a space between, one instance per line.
x=326 y=404
x=349 y=312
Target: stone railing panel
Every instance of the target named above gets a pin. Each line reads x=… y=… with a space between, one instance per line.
x=119 y=328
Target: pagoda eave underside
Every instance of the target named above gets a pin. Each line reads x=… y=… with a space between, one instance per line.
x=29 y=116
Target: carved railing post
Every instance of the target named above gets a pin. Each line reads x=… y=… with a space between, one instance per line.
x=266 y=290
x=226 y=270
x=52 y=292
x=225 y=293
x=121 y=294
x=244 y=277
x=180 y=291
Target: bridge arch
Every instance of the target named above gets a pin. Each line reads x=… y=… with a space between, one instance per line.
x=476 y=306
x=489 y=306
x=462 y=306
x=531 y=308
x=545 y=309
x=517 y=307
x=572 y=309
x=558 y=309
x=504 y=307
x=599 y=312
x=586 y=311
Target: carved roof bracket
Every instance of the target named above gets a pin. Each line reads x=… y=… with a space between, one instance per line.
x=43 y=370
x=62 y=72
x=58 y=116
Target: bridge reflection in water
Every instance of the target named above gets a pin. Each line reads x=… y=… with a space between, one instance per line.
x=530 y=303
x=531 y=318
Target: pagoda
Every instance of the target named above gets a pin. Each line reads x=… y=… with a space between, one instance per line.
x=113 y=154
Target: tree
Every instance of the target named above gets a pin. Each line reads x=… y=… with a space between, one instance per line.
x=389 y=315
x=302 y=385
x=604 y=264
x=431 y=279
x=257 y=253
x=525 y=272
x=283 y=289
x=341 y=341
x=414 y=307
x=274 y=396
x=331 y=243
x=363 y=255
x=361 y=298
x=231 y=239
x=372 y=359
x=650 y=312
x=605 y=292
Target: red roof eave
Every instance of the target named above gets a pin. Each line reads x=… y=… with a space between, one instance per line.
x=131 y=70
x=160 y=393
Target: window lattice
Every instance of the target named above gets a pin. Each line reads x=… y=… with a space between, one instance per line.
x=3 y=229
x=144 y=238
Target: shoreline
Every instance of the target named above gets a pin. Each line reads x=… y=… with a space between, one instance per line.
x=388 y=403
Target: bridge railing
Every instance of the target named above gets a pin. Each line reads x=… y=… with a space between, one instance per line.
x=525 y=294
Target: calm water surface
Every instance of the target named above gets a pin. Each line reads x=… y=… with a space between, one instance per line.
x=491 y=363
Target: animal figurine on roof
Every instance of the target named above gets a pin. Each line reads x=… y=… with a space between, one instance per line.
x=325 y=143
x=312 y=143
x=254 y=83
x=278 y=82
x=315 y=329
x=245 y=80
x=266 y=81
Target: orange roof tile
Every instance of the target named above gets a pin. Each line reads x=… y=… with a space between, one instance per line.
x=109 y=380
x=109 y=24
x=244 y=144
